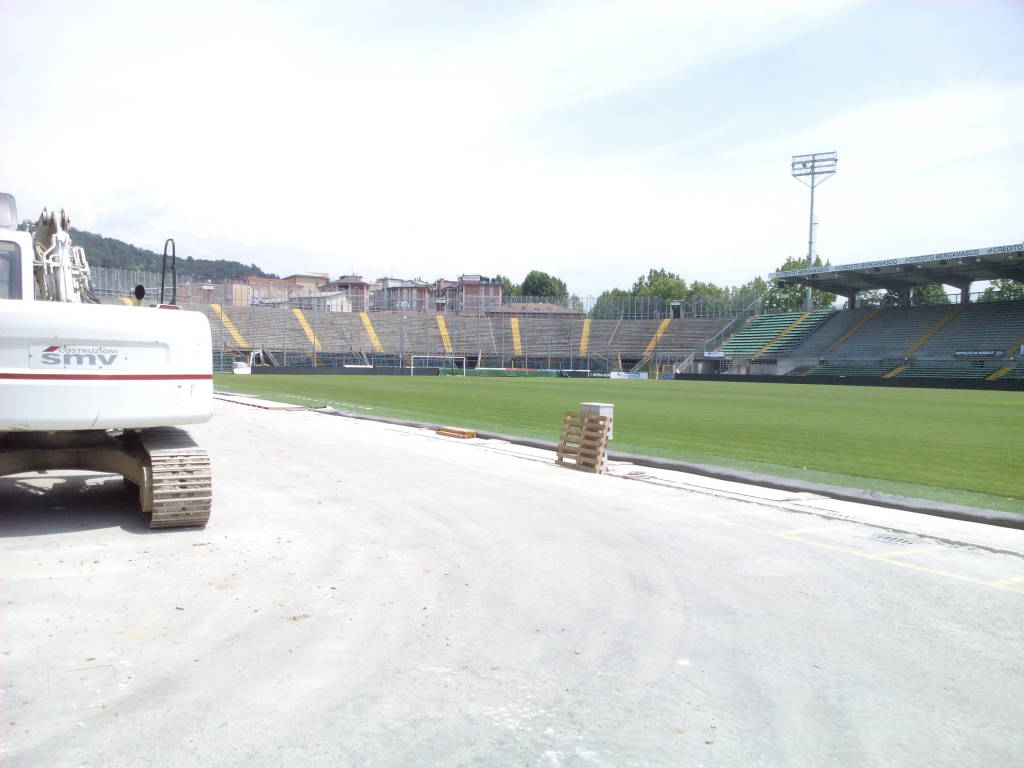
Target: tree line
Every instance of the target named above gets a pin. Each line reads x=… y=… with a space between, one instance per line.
x=776 y=294
x=110 y=252
x=670 y=286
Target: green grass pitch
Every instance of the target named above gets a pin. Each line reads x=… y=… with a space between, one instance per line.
x=959 y=446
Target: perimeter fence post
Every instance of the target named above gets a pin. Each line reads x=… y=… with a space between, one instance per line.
x=221 y=345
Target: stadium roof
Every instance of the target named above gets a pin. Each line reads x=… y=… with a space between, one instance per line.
x=959 y=268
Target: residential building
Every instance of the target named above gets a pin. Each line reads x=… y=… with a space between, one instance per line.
x=203 y=293
x=471 y=294
x=357 y=290
x=393 y=294
x=328 y=301
x=309 y=282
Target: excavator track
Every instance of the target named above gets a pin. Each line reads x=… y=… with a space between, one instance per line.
x=180 y=479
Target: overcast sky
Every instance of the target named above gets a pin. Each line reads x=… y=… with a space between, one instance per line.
x=591 y=140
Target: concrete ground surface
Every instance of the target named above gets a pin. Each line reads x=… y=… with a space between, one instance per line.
x=372 y=595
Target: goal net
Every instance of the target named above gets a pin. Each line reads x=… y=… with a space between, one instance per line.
x=446 y=365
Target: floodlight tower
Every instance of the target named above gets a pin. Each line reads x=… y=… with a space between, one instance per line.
x=813 y=170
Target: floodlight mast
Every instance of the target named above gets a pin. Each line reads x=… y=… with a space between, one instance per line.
x=813 y=170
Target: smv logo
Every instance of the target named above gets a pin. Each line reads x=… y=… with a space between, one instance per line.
x=66 y=355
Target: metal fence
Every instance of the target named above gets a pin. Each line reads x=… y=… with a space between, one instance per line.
x=632 y=307
x=108 y=281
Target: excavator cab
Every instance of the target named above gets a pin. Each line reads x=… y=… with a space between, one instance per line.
x=10 y=270
x=12 y=251
x=8 y=212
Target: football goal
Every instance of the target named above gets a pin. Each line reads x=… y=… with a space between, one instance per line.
x=448 y=365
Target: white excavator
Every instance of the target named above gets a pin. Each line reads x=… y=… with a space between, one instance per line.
x=91 y=386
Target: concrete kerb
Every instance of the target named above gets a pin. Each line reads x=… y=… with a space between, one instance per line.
x=876 y=498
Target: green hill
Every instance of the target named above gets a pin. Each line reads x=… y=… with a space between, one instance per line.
x=110 y=252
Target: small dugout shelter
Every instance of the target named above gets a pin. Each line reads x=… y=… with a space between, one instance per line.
x=900 y=276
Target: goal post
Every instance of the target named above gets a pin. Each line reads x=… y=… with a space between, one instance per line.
x=455 y=364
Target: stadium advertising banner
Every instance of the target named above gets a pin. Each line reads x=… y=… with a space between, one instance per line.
x=979 y=353
x=627 y=375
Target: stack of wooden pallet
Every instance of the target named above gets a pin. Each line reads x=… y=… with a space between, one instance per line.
x=584 y=441
x=459 y=432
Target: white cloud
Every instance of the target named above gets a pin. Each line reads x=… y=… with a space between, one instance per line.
x=333 y=138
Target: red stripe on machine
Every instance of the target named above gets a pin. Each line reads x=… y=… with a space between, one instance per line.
x=108 y=376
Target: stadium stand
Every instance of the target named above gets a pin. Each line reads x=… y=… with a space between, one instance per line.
x=969 y=336
x=992 y=325
x=795 y=335
x=834 y=330
x=1014 y=374
x=879 y=368
x=975 y=369
x=891 y=332
x=979 y=341
x=767 y=330
x=343 y=338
